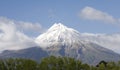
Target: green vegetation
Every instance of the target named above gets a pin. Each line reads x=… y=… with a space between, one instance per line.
x=54 y=63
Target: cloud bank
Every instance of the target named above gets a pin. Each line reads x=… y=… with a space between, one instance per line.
x=11 y=36
x=110 y=41
x=90 y=13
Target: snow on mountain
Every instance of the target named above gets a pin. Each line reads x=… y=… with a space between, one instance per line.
x=59 y=34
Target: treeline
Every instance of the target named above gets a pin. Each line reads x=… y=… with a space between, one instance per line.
x=54 y=63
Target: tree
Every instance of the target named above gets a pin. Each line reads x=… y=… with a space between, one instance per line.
x=2 y=65
x=60 y=63
x=54 y=63
x=101 y=66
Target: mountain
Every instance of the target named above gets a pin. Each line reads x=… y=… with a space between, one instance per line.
x=60 y=40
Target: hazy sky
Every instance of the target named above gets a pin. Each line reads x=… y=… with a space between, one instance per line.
x=68 y=12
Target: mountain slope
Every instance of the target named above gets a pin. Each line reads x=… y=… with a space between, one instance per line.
x=34 y=53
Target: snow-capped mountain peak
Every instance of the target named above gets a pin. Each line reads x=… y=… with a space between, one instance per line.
x=58 y=34
x=58 y=26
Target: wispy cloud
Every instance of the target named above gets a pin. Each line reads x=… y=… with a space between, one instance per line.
x=90 y=13
x=28 y=26
x=11 y=38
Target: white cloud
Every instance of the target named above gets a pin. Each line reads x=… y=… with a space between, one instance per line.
x=110 y=41
x=93 y=14
x=10 y=36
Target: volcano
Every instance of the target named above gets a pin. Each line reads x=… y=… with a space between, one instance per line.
x=60 y=40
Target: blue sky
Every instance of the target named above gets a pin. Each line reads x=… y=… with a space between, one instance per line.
x=48 y=12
